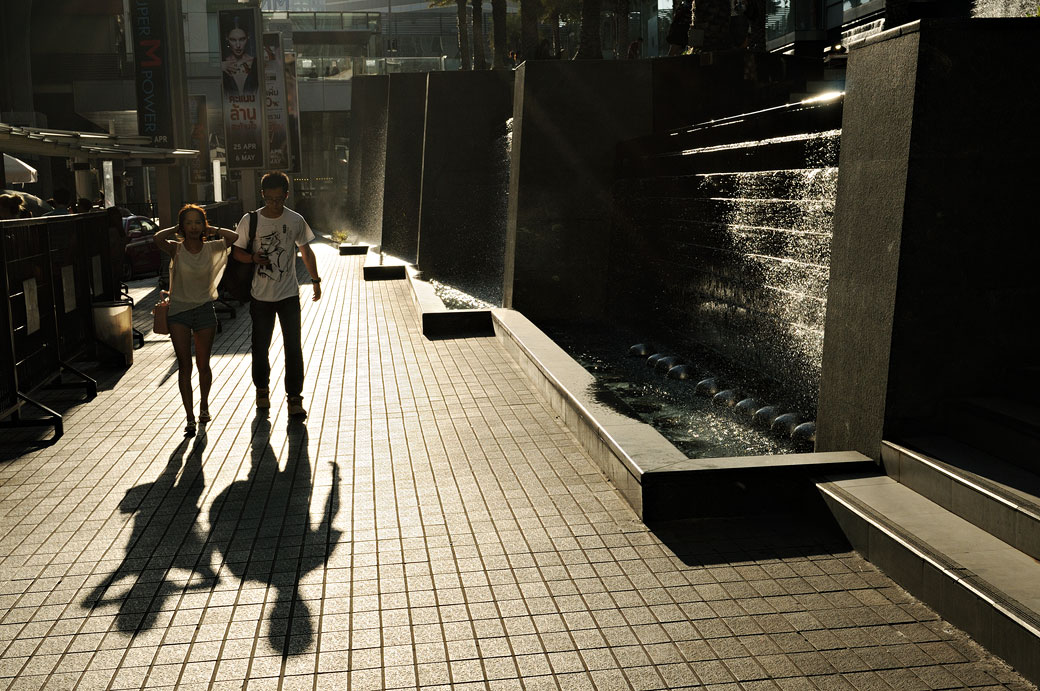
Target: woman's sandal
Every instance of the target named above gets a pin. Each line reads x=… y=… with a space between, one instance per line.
x=204 y=416
x=189 y=429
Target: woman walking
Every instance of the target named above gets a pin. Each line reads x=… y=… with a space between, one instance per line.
x=199 y=255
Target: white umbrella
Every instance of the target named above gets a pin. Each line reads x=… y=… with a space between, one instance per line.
x=17 y=170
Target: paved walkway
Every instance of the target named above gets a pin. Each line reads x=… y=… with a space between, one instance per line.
x=432 y=524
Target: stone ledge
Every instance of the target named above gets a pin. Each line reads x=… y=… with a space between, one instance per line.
x=658 y=480
x=379 y=267
x=440 y=322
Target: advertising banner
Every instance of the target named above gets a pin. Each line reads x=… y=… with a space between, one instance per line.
x=292 y=106
x=199 y=170
x=241 y=70
x=151 y=71
x=274 y=105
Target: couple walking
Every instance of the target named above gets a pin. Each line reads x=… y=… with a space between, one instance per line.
x=199 y=256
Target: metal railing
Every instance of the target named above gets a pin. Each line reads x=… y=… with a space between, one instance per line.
x=54 y=269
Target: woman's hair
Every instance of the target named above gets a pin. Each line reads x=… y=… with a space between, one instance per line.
x=13 y=203
x=184 y=211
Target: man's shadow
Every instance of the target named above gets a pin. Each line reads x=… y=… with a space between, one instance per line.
x=262 y=526
x=165 y=535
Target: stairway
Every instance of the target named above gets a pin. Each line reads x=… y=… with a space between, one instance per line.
x=961 y=533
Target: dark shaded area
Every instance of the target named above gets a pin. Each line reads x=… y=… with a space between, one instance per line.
x=933 y=283
x=758 y=539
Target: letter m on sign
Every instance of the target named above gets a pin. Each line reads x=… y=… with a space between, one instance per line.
x=151 y=53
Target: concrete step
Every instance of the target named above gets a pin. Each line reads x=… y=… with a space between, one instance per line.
x=1003 y=427
x=972 y=579
x=998 y=497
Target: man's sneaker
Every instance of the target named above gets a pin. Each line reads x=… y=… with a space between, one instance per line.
x=263 y=398
x=296 y=407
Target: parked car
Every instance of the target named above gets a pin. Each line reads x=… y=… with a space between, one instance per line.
x=142 y=255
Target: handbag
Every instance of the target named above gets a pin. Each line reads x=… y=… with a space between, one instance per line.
x=238 y=276
x=159 y=313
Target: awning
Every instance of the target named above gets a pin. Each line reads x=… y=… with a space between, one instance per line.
x=42 y=141
x=17 y=170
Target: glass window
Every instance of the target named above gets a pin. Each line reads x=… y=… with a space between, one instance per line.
x=328 y=21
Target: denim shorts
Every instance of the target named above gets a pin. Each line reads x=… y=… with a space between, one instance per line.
x=197 y=318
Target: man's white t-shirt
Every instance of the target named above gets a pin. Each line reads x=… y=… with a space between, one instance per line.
x=278 y=238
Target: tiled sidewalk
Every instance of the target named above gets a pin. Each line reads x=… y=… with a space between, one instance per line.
x=431 y=525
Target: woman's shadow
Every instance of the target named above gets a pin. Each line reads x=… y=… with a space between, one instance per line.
x=165 y=535
x=262 y=526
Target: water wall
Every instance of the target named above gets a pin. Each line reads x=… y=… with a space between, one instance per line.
x=568 y=120
x=402 y=182
x=366 y=167
x=721 y=242
x=461 y=237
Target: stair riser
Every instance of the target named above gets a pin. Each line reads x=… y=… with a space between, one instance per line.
x=1018 y=528
x=957 y=600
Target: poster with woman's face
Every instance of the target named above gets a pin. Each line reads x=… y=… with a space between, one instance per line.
x=242 y=75
x=239 y=57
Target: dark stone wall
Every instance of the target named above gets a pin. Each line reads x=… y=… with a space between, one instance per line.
x=933 y=287
x=568 y=118
x=369 y=104
x=462 y=212
x=406 y=112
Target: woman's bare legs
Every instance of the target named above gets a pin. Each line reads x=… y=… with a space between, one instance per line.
x=181 y=337
x=203 y=348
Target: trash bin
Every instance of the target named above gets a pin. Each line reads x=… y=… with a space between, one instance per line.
x=114 y=327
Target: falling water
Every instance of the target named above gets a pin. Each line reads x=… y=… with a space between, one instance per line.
x=1005 y=8
x=779 y=223
x=480 y=285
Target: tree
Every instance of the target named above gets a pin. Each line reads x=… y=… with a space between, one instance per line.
x=463 y=24
x=621 y=20
x=557 y=11
x=589 y=45
x=530 y=13
x=463 y=34
x=711 y=20
x=479 y=61
x=498 y=34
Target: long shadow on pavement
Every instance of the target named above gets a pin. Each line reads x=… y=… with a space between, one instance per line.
x=262 y=526
x=165 y=535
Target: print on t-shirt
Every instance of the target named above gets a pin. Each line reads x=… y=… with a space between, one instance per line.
x=271 y=245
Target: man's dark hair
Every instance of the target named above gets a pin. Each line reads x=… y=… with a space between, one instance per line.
x=275 y=180
x=62 y=196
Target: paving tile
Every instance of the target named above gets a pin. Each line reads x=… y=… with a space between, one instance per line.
x=432 y=524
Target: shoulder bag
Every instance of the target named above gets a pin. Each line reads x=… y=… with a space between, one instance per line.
x=238 y=276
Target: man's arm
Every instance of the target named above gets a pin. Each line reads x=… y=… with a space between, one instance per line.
x=255 y=258
x=309 y=261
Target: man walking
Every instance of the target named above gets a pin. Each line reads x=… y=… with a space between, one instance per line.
x=276 y=290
